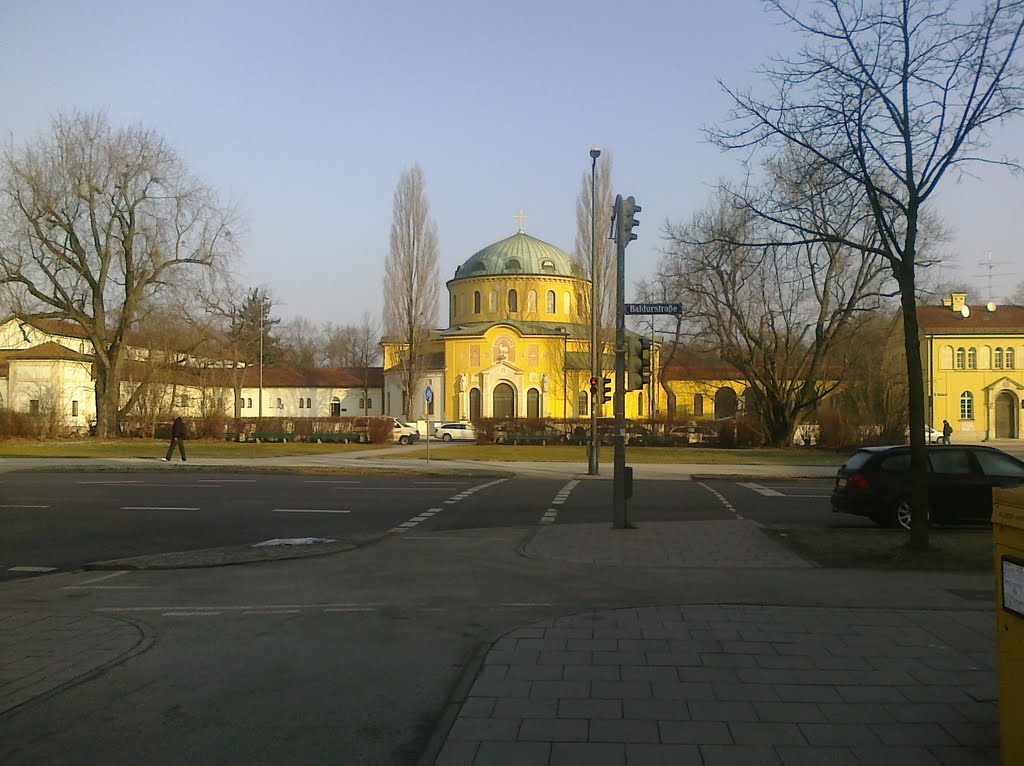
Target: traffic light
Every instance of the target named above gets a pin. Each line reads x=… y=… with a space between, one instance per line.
x=593 y=387
x=606 y=391
x=638 y=362
x=625 y=219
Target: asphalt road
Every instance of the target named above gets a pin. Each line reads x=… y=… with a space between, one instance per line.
x=62 y=521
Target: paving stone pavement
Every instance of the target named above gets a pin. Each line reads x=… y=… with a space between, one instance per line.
x=41 y=653
x=734 y=684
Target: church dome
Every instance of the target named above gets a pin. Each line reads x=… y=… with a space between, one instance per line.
x=517 y=255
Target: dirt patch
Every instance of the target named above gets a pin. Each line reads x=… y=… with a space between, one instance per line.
x=949 y=549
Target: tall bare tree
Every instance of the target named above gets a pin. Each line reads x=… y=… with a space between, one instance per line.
x=302 y=343
x=604 y=248
x=95 y=222
x=411 y=278
x=895 y=95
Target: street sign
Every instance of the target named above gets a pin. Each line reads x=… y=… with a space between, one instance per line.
x=429 y=394
x=654 y=308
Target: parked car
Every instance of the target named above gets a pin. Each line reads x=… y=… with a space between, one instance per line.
x=693 y=435
x=875 y=482
x=405 y=433
x=455 y=432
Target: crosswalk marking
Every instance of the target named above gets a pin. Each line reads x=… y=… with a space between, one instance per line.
x=760 y=490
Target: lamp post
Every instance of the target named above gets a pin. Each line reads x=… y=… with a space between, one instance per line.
x=592 y=465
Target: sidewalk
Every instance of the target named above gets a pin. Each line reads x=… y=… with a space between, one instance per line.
x=729 y=684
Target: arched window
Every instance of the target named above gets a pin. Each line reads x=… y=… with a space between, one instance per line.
x=476 y=302
x=966 y=406
x=309 y=403
x=250 y=402
x=241 y=402
x=474 y=404
x=302 y=402
x=513 y=264
x=280 y=403
x=1009 y=359
x=640 y=412
x=946 y=358
x=533 y=403
x=550 y=304
x=531 y=301
x=513 y=301
x=997 y=359
x=583 y=407
x=960 y=356
x=972 y=358
x=698 y=404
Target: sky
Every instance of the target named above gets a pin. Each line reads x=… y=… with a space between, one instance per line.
x=304 y=114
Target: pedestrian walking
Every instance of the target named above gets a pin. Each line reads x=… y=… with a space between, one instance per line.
x=947 y=432
x=177 y=437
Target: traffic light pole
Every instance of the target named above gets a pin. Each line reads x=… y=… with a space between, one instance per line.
x=620 y=513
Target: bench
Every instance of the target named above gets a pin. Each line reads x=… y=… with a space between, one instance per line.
x=336 y=437
x=542 y=439
x=272 y=436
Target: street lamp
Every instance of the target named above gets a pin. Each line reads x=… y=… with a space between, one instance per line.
x=592 y=467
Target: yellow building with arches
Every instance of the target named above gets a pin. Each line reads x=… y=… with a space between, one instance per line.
x=517 y=344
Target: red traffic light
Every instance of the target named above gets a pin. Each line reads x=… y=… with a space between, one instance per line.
x=593 y=381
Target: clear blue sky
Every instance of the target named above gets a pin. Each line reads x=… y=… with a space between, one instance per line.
x=305 y=114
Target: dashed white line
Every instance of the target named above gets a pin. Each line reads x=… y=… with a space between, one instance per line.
x=15 y=505
x=159 y=508
x=551 y=514
x=766 y=491
x=721 y=499
x=406 y=526
x=39 y=570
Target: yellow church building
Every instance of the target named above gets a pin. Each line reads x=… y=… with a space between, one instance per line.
x=517 y=344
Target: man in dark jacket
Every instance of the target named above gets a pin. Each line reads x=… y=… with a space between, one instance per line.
x=177 y=437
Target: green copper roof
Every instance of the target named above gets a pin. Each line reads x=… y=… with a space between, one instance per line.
x=519 y=254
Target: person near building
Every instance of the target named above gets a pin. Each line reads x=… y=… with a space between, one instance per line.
x=947 y=432
x=177 y=437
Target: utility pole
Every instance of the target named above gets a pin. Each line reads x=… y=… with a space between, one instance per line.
x=623 y=222
x=595 y=357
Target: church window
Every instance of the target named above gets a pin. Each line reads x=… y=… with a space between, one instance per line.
x=967 y=406
x=550 y=302
x=531 y=301
x=547 y=265
x=513 y=264
x=476 y=302
x=513 y=301
x=309 y=403
x=492 y=302
x=946 y=358
x=1009 y=358
x=640 y=404
x=74 y=408
x=972 y=358
x=302 y=402
x=998 y=359
x=474 y=355
x=478 y=268
x=584 y=404
x=280 y=403
x=698 y=404
x=533 y=403
x=960 y=354
x=250 y=402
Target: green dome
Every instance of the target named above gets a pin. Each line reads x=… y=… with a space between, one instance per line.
x=519 y=254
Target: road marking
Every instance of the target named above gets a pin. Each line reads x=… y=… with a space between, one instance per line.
x=331 y=481
x=189 y=614
x=23 y=506
x=237 y=608
x=226 y=481
x=101 y=578
x=721 y=499
x=33 y=569
x=343 y=609
x=551 y=514
x=406 y=526
x=271 y=611
x=760 y=490
x=158 y=508
x=126 y=481
x=307 y=510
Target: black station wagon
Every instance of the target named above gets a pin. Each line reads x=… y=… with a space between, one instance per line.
x=875 y=482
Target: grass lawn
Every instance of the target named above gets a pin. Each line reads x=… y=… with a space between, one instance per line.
x=576 y=454
x=148 y=448
x=950 y=549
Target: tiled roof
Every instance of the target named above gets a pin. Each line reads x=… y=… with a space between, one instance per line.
x=942 y=320
x=49 y=350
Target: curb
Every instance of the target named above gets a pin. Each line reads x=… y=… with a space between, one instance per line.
x=226 y=556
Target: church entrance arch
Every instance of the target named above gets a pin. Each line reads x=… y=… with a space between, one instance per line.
x=725 y=402
x=504 y=401
x=1006 y=407
x=533 y=403
x=474 y=404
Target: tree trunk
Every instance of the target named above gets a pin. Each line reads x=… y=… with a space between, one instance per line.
x=915 y=394
x=107 y=400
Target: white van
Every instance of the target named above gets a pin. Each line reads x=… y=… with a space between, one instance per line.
x=405 y=433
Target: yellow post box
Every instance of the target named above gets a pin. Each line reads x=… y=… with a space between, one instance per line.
x=1008 y=542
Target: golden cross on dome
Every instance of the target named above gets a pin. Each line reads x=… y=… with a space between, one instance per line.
x=519 y=218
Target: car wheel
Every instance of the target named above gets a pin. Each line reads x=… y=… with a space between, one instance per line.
x=446 y=438
x=901 y=513
x=403 y=440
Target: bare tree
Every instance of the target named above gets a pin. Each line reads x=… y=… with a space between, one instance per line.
x=775 y=311
x=302 y=343
x=894 y=95
x=604 y=248
x=411 y=278
x=96 y=221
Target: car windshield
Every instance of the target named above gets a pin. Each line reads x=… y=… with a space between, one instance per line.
x=999 y=464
